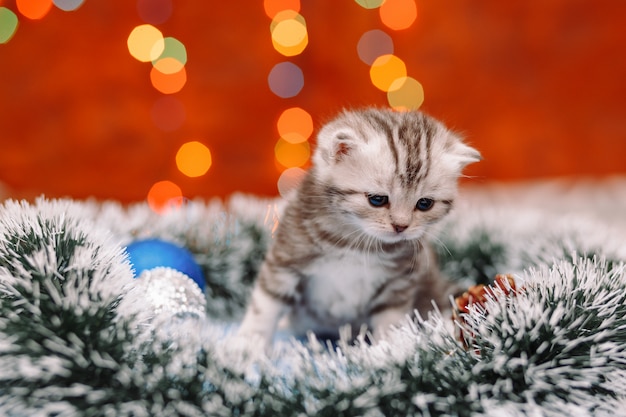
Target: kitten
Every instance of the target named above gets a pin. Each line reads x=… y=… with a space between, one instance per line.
x=351 y=247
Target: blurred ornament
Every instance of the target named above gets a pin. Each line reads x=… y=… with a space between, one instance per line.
x=171 y=292
x=152 y=253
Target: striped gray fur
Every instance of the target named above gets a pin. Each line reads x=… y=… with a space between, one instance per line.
x=337 y=258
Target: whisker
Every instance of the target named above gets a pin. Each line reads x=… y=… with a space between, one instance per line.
x=416 y=252
x=435 y=239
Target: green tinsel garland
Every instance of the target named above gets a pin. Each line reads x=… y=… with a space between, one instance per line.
x=76 y=340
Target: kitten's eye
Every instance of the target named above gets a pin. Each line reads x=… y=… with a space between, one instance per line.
x=377 y=200
x=425 y=204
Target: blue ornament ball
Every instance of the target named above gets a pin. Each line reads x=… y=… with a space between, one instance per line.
x=148 y=254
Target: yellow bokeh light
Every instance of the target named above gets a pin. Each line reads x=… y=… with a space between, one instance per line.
x=168 y=65
x=291 y=155
x=405 y=94
x=385 y=70
x=289 y=33
x=398 y=14
x=193 y=159
x=287 y=14
x=145 y=43
x=290 y=38
x=295 y=125
x=292 y=50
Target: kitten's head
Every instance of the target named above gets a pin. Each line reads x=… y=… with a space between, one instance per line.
x=392 y=174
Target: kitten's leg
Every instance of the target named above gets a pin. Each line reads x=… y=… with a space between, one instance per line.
x=384 y=319
x=272 y=297
x=262 y=316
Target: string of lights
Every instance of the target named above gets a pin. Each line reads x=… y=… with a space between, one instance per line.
x=375 y=48
x=294 y=125
x=168 y=57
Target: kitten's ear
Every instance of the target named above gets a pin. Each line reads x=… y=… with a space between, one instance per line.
x=464 y=154
x=342 y=146
x=335 y=147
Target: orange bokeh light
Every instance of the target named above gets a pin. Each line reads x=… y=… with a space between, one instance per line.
x=295 y=125
x=34 y=9
x=193 y=159
x=168 y=83
x=398 y=14
x=272 y=7
x=291 y=155
x=385 y=70
x=164 y=195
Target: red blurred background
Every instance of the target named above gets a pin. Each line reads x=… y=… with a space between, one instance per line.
x=538 y=87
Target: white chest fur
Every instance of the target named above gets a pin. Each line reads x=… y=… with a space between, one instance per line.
x=338 y=290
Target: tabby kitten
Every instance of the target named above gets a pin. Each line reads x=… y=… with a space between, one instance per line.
x=351 y=247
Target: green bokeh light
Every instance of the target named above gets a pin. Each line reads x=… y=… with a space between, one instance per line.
x=8 y=24
x=173 y=48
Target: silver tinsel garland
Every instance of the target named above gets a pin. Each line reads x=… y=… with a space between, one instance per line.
x=79 y=336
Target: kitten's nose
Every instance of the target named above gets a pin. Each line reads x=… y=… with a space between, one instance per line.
x=399 y=228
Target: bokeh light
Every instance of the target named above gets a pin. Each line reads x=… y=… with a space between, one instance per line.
x=289 y=33
x=164 y=195
x=291 y=155
x=273 y=7
x=34 y=9
x=193 y=159
x=289 y=180
x=168 y=65
x=373 y=44
x=145 y=43
x=385 y=70
x=295 y=125
x=398 y=14
x=68 y=5
x=168 y=83
x=8 y=24
x=154 y=11
x=173 y=57
x=405 y=94
x=370 y=4
x=168 y=113
x=286 y=80
x=287 y=14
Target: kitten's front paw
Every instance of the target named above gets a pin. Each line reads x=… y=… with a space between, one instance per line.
x=254 y=336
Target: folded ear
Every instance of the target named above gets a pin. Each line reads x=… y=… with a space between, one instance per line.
x=461 y=154
x=466 y=154
x=334 y=146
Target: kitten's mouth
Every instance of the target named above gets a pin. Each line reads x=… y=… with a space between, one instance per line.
x=394 y=237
